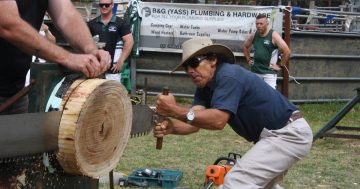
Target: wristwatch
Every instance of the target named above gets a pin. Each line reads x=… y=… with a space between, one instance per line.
x=190 y=116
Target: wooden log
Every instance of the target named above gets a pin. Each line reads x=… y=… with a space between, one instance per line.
x=94 y=128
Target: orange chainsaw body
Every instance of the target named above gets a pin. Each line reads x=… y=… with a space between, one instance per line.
x=216 y=173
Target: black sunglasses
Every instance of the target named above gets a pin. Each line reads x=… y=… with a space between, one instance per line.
x=104 y=5
x=194 y=62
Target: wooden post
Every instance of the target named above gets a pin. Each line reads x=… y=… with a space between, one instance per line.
x=285 y=82
x=159 y=140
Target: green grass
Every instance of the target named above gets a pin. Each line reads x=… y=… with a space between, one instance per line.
x=332 y=163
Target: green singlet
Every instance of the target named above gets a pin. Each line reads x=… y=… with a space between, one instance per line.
x=263 y=50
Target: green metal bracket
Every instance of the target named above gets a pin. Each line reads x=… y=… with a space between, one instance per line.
x=46 y=76
x=332 y=123
x=126 y=76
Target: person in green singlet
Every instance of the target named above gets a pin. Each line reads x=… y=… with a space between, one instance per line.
x=267 y=44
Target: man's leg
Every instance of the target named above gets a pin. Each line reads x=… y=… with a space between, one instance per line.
x=270 y=79
x=274 y=184
x=271 y=157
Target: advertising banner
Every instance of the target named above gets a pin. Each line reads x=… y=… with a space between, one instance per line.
x=165 y=26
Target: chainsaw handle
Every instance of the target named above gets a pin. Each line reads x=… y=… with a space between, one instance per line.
x=165 y=91
x=10 y=101
x=159 y=140
x=228 y=159
x=234 y=155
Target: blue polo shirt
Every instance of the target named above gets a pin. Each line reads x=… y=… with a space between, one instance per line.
x=252 y=103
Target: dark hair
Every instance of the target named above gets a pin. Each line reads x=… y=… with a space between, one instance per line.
x=260 y=16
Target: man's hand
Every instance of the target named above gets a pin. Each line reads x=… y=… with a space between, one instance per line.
x=45 y=27
x=165 y=105
x=251 y=62
x=85 y=63
x=162 y=129
x=117 y=67
x=104 y=59
x=275 y=67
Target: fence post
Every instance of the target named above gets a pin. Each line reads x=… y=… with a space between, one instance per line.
x=285 y=81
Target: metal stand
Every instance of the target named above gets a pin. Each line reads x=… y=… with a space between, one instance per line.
x=133 y=75
x=111 y=179
x=332 y=123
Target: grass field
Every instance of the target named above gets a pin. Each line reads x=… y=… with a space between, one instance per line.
x=332 y=163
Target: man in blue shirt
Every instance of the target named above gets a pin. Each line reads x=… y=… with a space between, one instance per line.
x=228 y=94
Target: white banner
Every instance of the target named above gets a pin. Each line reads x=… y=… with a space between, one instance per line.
x=165 y=26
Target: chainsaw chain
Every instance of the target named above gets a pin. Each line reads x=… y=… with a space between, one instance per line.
x=28 y=170
x=17 y=159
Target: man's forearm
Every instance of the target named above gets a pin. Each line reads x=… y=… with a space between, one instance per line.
x=246 y=54
x=211 y=119
x=125 y=53
x=72 y=26
x=285 y=58
x=23 y=36
x=128 y=45
x=246 y=47
x=78 y=35
x=49 y=36
x=182 y=128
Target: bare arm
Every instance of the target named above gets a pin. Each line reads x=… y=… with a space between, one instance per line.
x=246 y=47
x=128 y=45
x=211 y=119
x=76 y=32
x=48 y=34
x=179 y=127
x=21 y=34
x=174 y=126
x=18 y=32
x=283 y=47
x=70 y=23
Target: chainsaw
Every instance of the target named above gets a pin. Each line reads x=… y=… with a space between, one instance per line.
x=25 y=137
x=44 y=101
x=215 y=174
